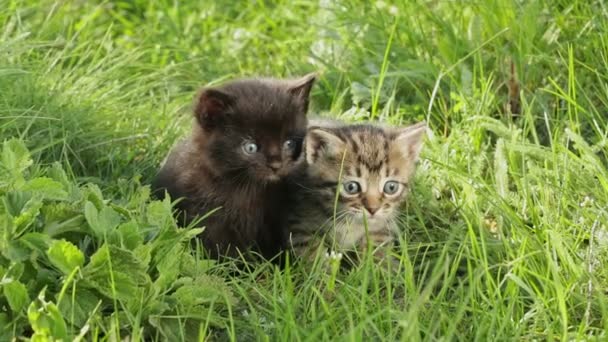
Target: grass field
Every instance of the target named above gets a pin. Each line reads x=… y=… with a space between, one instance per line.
x=505 y=234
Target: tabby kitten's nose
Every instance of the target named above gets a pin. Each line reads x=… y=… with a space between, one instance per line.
x=372 y=210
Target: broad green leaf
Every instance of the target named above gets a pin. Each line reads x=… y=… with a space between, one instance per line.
x=92 y=216
x=115 y=272
x=123 y=261
x=15 y=271
x=59 y=211
x=127 y=235
x=143 y=254
x=185 y=323
x=65 y=256
x=116 y=285
x=61 y=217
x=45 y=188
x=101 y=222
x=16 y=251
x=168 y=268
x=205 y=289
x=193 y=267
x=179 y=327
x=46 y=320
x=156 y=306
x=15 y=156
x=33 y=272
x=189 y=234
x=57 y=174
x=140 y=197
x=109 y=219
x=36 y=241
x=131 y=235
x=6 y=333
x=171 y=329
x=164 y=243
x=81 y=308
x=183 y=281
x=92 y=193
x=14 y=202
x=16 y=295
x=44 y=277
x=168 y=238
x=120 y=210
x=28 y=214
x=160 y=213
x=39 y=337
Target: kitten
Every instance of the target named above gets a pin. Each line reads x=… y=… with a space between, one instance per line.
x=370 y=167
x=246 y=138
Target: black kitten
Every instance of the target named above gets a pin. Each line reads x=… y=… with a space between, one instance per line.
x=247 y=137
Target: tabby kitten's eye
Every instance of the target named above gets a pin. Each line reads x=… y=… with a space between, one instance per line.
x=250 y=147
x=352 y=187
x=289 y=144
x=391 y=187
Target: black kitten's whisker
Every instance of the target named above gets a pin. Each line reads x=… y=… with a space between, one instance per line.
x=239 y=126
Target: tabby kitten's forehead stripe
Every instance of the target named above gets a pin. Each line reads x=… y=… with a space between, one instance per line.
x=370 y=167
x=364 y=141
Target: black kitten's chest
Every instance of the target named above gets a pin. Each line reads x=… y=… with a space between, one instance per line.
x=247 y=219
x=272 y=236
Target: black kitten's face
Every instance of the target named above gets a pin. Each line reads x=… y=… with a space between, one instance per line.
x=267 y=152
x=258 y=128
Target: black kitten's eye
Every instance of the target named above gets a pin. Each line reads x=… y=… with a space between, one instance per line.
x=391 y=187
x=289 y=144
x=352 y=187
x=250 y=147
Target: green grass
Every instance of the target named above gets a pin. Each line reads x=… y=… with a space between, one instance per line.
x=504 y=236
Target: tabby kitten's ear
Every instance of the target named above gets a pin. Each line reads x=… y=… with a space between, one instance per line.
x=300 y=89
x=210 y=106
x=409 y=140
x=322 y=142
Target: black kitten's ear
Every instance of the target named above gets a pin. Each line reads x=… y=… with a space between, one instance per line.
x=301 y=87
x=322 y=142
x=210 y=106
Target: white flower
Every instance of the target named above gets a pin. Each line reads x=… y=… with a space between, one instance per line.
x=393 y=10
x=587 y=202
x=240 y=34
x=333 y=255
x=601 y=235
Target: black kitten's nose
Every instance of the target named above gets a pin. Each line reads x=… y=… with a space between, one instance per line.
x=274 y=166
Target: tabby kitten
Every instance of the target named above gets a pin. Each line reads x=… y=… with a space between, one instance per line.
x=370 y=168
x=246 y=138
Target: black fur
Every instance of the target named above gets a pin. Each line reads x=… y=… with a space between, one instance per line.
x=211 y=169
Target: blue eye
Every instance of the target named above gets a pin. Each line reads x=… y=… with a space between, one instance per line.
x=391 y=187
x=352 y=187
x=250 y=148
x=289 y=144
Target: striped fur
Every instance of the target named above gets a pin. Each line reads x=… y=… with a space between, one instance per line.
x=336 y=155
